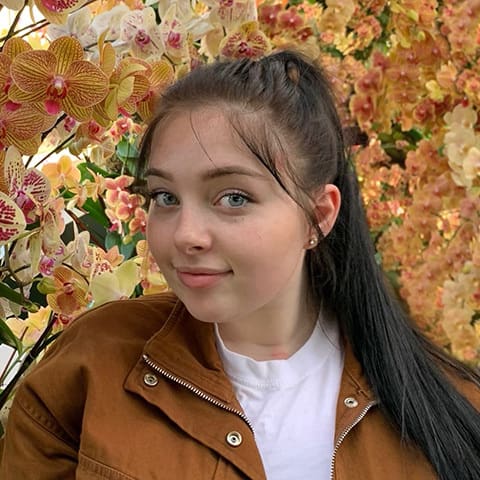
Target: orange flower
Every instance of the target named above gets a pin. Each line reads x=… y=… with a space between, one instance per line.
x=71 y=291
x=58 y=78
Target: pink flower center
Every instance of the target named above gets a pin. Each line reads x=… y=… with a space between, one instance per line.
x=12 y=106
x=26 y=204
x=142 y=38
x=245 y=49
x=57 y=88
x=174 y=39
x=69 y=124
x=58 y=6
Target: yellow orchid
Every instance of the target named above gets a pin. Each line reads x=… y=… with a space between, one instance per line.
x=30 y=329
x=62 y=173
x=102 y=261
x=115 y=285
x=246 y=41
x=152 y=280
x=128 y=85
x=21 y=127
x=13 y=46
x=72 y=291
x=59 y=79
x=160 y=76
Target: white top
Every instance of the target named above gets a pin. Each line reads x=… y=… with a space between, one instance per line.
x=292 y=404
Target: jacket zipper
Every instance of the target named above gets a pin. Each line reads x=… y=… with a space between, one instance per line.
x=197 y=391
x=345 y=432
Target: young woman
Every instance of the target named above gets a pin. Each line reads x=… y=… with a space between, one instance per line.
x=281 y=353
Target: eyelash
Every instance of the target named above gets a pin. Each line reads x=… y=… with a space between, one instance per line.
x=154 y=196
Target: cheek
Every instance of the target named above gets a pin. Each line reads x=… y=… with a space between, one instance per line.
x=156 y=239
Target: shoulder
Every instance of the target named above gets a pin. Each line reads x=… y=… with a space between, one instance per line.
x=470 y=389
x=106 y=340
x=95 y=353
x=123 y=320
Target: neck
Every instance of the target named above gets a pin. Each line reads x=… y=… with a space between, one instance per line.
x=276 y=335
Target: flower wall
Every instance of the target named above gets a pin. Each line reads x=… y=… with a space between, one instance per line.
x=80 y=80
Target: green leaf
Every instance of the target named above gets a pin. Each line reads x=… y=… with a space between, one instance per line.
x=86 y=169
x=113 y=239
x=127 y=249
x=7 y=337
x=96 y=211
x=15 y=297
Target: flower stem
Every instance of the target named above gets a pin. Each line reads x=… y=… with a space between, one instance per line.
x=11 y=30
x=44 y=340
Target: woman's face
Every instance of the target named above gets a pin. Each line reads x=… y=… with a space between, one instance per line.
x=229 y=240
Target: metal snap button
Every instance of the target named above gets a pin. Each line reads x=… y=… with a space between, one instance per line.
x=150 y=379
x=234 y=439
x=350 y=402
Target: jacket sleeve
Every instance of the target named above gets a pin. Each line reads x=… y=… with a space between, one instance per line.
x=43 y=428
x=35 y=446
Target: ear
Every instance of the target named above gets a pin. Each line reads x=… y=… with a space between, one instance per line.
x=326 y=207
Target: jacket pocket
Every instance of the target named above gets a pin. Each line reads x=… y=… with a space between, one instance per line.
x=89 y=469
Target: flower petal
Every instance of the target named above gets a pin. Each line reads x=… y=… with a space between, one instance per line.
x=54 y=10
x=14 y=45
x=27 y=147
x=66 y=50
x=31 y=71
x=19 y=96
x=24 y=123
x=36 y=184
x=3 y=180
x=14 y=169
x=12 y=220
x=115 y=285
x=87 y=84
x=82 y=114
x=162 y=74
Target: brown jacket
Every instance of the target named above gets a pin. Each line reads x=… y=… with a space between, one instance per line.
x=136 y=390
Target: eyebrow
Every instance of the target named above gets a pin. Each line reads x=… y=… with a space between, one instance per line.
x=209 y=174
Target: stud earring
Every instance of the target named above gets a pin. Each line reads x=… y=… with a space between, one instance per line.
x=312 y=242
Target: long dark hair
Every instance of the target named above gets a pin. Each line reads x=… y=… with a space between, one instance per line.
x=282 y=108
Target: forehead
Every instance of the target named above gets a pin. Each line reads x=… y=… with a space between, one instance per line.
x=206 y=130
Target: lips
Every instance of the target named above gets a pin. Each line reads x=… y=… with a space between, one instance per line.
x=200 y=277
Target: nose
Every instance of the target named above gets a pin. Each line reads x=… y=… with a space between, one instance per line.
x=192 y=234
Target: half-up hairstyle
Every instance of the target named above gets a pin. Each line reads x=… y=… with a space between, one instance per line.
x=282 y=108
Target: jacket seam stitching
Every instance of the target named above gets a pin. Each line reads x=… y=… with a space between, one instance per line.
x=100 y=468
x=37 y=419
